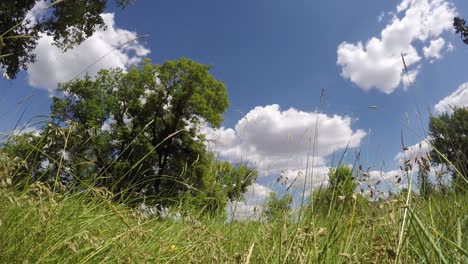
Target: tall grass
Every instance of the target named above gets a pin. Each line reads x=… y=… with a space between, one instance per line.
x=45 y=223
x=42 y=222
x=38 y=225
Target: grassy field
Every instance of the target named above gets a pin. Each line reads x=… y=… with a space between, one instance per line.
x=37 y=226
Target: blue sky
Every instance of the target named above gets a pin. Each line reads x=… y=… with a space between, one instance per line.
x=271 y=52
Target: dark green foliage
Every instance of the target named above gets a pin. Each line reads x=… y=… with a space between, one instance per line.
x=461 y=28
x=137 y=134
x=338 y=194
x=16 y=45
x=70 y=22
x=342 y=181
x=222 y=182
x=424 y=183
x=277 y=208
x=235 y=179
x=449 y=133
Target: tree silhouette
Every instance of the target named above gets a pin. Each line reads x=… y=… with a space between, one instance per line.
x=68 y=22
x=461 y=28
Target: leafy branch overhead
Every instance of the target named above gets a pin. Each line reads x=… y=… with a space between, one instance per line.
x=461 y=28
x=68 y=22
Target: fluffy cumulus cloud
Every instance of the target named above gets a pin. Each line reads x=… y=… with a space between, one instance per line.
x=379 y=182
x=314 y=177
x=378 y=63
x=26 y=129
x=457 y=98
x=54 y=66
x=418 y=150
x=252 y=207
x=433 y=51
x=243 y=211
x=39 y=9
x=283 y=142
x=257 y=193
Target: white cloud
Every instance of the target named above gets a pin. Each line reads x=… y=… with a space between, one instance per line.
x=26 y=129
x=415 y=151
x=36 y=12
x=252 y=207
x=380 y=181
x=315 y=177
x=450 y=47
x=278 y=141
x=378 y=63
x=381 y=16
x=242 y=211
x=457 y=98
x=387 y=178
x=379 y=184
x=409 y=78
x=433 y=51
x=54 y=66
x=256 y=193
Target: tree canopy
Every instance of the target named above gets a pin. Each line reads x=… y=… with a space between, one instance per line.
x=277 y=208
x=449 y=138
x=69 y=22
x=461 y=28
x=137 y=134
x=342 y=181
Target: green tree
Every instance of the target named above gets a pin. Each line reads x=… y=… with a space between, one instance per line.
x=223 y=182
x=235 y=179
x=138 y=134
x=69 y=22
x=277 y=208
x=341 y=181
x=461 y=28
x=449 y=137
x=425 y=185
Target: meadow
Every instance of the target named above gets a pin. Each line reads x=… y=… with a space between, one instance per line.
x=41 y=226
x=74 y=192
